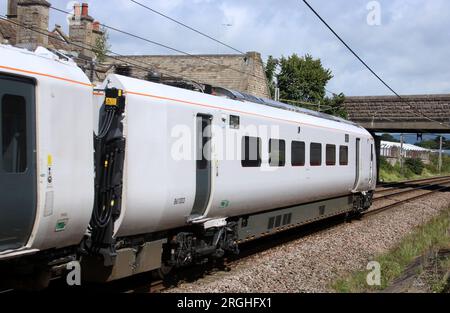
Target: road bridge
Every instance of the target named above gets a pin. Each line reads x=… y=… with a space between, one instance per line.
x=390 y=114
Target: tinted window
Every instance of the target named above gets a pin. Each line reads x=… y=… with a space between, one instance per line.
x=203 y=141
x=298 y=153
x=234 y=122
x=343 y=155
x=277 y=152
x=316 y=154
x=331 y=155
x=251 y=152
x=14 y=138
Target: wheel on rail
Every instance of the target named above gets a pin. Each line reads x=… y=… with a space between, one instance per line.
x=164 y=270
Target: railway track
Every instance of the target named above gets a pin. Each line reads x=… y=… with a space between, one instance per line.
x=386 y=188
x=408 y=188
x=412 y=181
x=399 y=195
x=386 y=197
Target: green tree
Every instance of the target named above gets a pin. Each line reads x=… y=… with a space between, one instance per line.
x=335 y=106
x=302 y=78
x=389 y=137
x=302 y=82
x=101 y=46
x=271 y=66
x=435 y=143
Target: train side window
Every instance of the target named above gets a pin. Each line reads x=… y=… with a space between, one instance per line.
x=316 y=154
x=343 y=155
x=14 y=134
x=251 y=152
x=331 y=155
x=277 y=153
x=298 y=153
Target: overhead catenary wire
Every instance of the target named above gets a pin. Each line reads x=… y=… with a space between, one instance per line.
x=413 y=110
x=187 y=26
x=153 y=42
x=111 y=54
x=113 y=28
x=114 y=56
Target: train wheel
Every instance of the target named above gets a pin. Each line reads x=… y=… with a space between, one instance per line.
x=164 y=270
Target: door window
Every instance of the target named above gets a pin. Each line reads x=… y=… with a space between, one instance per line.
x=14 y=134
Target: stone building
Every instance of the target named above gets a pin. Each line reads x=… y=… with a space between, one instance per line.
x=28 y=28
x=241 y=72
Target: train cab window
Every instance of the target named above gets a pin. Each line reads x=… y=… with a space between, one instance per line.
x=277 y=153
x=315 y=154
x=13 y=134
x=298 y=153
x=331 y=155
x=343 y=155
x=251 y=152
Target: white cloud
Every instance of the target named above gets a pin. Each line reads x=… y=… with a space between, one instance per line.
x=409 y=50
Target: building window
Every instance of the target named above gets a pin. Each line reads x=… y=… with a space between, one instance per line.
x=251 y=152
x=14 y=134
x=277 y=152
x=298 y=153
x=316 y=154
x=343 y=155
x=331 y=155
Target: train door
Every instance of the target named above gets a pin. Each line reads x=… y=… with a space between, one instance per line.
x=357 y=162
x=17 y=161
x=203 y=165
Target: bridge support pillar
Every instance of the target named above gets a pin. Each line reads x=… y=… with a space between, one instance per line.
x=377 y=153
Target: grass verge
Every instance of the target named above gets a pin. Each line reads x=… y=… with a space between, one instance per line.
x=430 y=236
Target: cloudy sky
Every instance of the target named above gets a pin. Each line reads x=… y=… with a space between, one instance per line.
x=410 y=49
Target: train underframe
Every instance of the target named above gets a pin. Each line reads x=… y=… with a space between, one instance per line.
x=165 y=251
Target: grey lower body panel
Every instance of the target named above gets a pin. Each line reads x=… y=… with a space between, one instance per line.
x=263 y=224
x=128 y=262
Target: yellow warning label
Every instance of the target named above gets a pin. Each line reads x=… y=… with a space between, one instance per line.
x=111 y=101
x=49 y=160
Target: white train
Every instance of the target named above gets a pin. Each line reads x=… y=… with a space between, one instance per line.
x=176 y=176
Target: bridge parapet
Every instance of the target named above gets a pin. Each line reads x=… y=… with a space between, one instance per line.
x=391 y=114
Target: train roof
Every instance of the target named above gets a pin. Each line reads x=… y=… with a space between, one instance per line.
x=237 y=95
x=271 y=110
x=41 y=64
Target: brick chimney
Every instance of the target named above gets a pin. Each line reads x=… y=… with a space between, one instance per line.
x=33 y=14
x=97 y=32
x=81 y=29
x=12 y=9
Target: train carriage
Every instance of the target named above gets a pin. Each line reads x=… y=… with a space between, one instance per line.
x=171 y=176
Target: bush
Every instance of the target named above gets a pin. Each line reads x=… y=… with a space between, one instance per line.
x=384 y=164
x=416 y=166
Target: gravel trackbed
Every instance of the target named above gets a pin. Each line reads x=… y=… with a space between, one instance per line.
x=311 y=263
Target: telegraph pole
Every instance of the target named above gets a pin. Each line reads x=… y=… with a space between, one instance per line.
x=401 y=152
x=277 y=94
x=91 y=75
x=440 y=154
